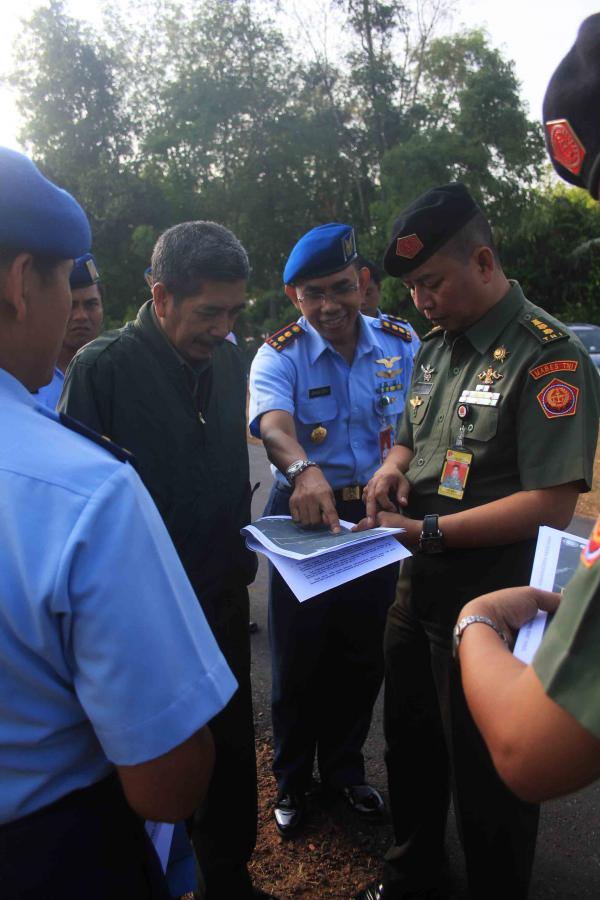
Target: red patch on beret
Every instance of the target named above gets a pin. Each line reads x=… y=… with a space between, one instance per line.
x=567 y=149
x=409 y=246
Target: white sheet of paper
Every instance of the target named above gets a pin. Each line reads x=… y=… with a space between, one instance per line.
x=556 y=558
x=309 y=577
x=303 y=543
x=161 y=835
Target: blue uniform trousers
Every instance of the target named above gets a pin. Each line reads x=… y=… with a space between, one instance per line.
x=327 y=669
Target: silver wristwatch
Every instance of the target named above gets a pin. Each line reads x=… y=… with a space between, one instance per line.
x=298 y=466
x=464 y=623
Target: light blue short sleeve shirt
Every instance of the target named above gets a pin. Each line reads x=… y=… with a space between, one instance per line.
x=105 y=654
x=49 y=395
x=355 y=402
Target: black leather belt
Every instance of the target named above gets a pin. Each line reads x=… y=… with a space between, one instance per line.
x=351 y=492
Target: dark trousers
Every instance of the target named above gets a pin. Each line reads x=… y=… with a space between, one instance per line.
x=327 y=668
x=89 y=844
x=433 y=745
x=223 y=830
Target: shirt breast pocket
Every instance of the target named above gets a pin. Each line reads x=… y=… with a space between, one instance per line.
x=418 y=410
x=484 y=424
x=317 y=410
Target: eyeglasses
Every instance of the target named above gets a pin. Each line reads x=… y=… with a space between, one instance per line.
x=314 y=296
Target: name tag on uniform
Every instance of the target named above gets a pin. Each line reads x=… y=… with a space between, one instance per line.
x=455 y=473
x=319 y=392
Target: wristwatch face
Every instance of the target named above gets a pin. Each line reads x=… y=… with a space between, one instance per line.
x=296 y=467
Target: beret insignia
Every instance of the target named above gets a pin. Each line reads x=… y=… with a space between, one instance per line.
x=409 y=246
x=567 y=149
x=394 y=328
x=591 y=552
x=348 y=246
x=558 y=398
x=284 y=337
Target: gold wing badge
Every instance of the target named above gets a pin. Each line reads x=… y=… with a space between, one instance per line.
x=387 y=362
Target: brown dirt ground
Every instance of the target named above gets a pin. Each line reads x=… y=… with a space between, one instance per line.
x=336 y=853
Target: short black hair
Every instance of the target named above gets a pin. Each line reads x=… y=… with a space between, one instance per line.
x=475 y=233
x=187 y=254
x=374 y=270
x=43 y=265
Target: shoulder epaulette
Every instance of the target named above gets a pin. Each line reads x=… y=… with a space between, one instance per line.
x=542 y=330
x=120 y=452
x=396 y=318
x=431 y=334
x=392 y=327
x=285 y=336
x=89 y=433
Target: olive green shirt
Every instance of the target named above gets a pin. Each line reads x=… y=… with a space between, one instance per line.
x=568 y=661
x=539 y=425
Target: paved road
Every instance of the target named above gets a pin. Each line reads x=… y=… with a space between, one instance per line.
x=568 y=851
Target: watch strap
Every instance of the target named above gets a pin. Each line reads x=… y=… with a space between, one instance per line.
x=463 y=624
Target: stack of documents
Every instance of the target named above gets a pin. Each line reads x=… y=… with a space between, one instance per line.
x=556 y=559
x=313 y=560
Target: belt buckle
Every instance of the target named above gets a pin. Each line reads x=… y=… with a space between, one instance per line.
x=353 y=492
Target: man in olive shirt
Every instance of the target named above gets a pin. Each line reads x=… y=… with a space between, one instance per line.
x=171 y=389
x=498 y=437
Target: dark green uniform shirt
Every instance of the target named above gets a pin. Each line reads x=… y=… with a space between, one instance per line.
x=534 y=427
x=568 y=661
x=187 y=430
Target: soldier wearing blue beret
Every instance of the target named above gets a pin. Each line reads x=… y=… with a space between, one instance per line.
x=326 y=394
x=498 y=437
x=109 y=669
x=85 y=322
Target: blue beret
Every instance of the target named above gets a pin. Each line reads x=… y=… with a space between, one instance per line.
x=148 y=276
x=572 y=125
x=426 y=225
x=37 y=216
x=84 y=272
x=321 y=251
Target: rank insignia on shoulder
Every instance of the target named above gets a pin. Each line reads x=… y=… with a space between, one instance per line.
x=558 y=398
x=591 y=552
x=284 y=337
x=437 y=329
x=391 y=327
x=120 y=453
x=542 y=330
x=396 y=318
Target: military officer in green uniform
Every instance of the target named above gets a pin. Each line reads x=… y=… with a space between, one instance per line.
x=498 y=437
x=541 y=723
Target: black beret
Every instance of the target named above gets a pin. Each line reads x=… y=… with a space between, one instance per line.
x=426 y=225
x=571 y=111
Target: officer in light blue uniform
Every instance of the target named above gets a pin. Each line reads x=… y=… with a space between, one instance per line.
x=326 y=394
x=106 y=660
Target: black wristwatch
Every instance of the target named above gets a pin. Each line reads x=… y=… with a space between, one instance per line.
x=432 y=539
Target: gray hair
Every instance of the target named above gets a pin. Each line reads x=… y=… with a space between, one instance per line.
x=187 y=254
x=475 y=233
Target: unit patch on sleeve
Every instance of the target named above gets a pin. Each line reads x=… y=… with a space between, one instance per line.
x=558 y=398
x=284 y=337
x=557 y=365
x=591 y=552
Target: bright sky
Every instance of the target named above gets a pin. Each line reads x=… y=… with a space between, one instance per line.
x=535 y=34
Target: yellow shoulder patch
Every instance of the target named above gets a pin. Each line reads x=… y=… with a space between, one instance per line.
x=392 y=327
x=542 y=330
x=284 y=337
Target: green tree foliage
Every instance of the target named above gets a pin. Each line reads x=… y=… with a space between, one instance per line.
x=210 y=109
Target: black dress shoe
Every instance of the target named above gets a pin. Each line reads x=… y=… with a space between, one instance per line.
x=373 y=891
x=364 y=799
x=289 y=813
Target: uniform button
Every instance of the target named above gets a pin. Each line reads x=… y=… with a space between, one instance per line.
x=470 y=427
x=440 y=418
x=355 y=443
x=455 y=370
x=420 y=462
